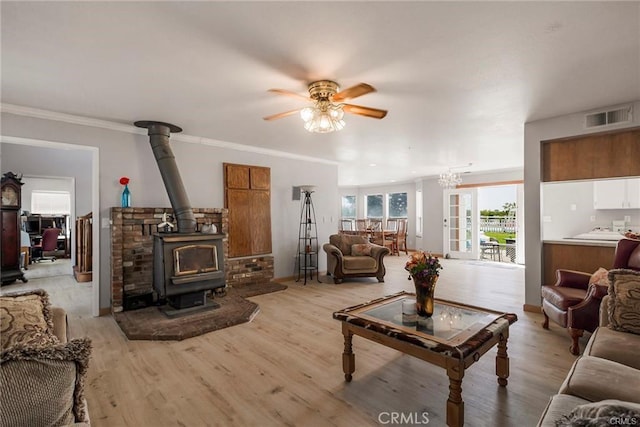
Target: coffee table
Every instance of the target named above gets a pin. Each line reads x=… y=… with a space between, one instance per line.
x=454 y=338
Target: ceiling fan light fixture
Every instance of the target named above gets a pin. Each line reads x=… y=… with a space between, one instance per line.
x=324 y=117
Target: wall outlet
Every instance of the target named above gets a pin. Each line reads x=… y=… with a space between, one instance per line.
x=573 y=207
x=592 y=218
x=546 y=218
x=106 y=223
x=627 y=218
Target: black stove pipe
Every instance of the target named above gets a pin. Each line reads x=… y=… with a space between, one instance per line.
x=159 y=139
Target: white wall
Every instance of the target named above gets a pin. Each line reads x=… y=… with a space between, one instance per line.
x=534 y=134
x=122 y=153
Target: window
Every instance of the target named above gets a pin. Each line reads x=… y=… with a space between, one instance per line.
x=348 y=206
x=397 y=205
x=51 y=202
x=374 y=205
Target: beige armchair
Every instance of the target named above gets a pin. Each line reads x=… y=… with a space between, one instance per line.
x=346 y=260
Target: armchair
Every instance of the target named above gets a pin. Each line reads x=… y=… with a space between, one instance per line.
x=344 y=260
x=574 y=300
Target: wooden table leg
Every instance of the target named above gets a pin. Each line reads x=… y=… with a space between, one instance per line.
x=348 y=358
x=455 y=405
x=502 y=361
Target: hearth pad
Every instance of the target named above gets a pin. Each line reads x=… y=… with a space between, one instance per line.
x=151 y=323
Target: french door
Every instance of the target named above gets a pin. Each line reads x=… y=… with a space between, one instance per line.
x=460 y=224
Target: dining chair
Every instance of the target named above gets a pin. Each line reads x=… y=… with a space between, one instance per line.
x=401 y=235
x=361 y=227
x=347 y=226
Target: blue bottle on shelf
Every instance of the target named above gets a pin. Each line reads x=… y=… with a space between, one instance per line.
x=126 y=197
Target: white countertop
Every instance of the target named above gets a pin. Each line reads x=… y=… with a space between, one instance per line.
x=583 y=242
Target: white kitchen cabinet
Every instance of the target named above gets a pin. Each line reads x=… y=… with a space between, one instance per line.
x=616 y=194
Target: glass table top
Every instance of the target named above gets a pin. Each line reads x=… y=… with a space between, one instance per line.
x=451 y=323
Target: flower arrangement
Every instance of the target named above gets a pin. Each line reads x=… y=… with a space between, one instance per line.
x=422 y=265
x=124 y=180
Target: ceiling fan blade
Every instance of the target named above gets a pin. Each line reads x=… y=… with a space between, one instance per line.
x=364 y=111
x=353 y=92
x=289 y=93
x=281 y=115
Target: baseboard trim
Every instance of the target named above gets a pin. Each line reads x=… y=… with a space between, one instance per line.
x=532 y=308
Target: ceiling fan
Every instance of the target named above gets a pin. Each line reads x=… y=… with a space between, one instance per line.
x=328 y=107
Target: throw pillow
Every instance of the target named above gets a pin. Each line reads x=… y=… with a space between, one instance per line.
x=25 y=318
x=624 y=306
x=602 y=413
x=45 y=385
x=361 y=249
x=600 y=277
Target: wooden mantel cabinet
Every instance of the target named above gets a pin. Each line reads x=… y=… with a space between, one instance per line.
x=248 y=199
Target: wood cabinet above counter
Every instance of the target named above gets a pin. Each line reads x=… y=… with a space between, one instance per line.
x=593 y=156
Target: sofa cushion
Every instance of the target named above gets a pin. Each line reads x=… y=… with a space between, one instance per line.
x=359 y=263
x=624 y=306
x=44 y=385
x=593 y=379
x=25 y=318
x=603 y=413
x=361 y=249
x=559 y=405
x=620 y=347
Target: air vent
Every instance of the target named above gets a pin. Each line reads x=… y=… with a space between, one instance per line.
x=605 y=118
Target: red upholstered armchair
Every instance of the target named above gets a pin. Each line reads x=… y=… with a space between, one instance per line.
x=574 y=301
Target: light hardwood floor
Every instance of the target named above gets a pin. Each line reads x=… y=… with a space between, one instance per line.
x=285 y=367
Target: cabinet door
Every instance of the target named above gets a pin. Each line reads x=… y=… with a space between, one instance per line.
x=609 y=194
x=239 y=222
x=633 y=193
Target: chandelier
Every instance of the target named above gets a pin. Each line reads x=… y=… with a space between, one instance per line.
x=324 y=116
x=449 y=179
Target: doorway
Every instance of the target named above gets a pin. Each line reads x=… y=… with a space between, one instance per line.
x=53 y=159
x=485 y=222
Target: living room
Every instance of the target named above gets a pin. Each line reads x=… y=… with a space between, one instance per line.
x=43 y=136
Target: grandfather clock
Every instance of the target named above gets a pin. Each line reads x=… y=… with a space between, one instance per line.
x=10 y=225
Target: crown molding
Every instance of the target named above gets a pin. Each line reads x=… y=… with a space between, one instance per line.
x=122 y=127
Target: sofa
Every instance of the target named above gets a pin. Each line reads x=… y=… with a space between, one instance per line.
x=603 y=385
x=42 y=371
x=354 y=256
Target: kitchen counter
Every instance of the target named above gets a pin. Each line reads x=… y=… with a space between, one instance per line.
x=583 y=242
x=575 y=254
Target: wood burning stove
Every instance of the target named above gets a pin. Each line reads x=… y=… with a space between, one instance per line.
x=186 y=264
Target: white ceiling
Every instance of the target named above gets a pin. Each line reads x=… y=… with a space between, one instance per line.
x=459 y=79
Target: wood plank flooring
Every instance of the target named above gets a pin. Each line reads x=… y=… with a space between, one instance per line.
x=285 y=369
